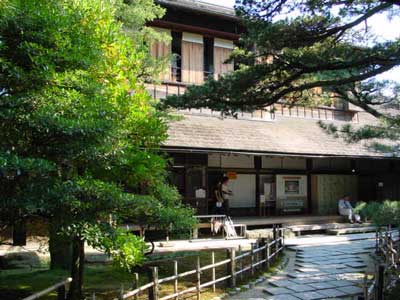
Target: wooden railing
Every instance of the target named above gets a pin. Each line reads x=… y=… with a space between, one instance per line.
x=60 y=287
x=388 y=271
x=167 y=88
x=239 y=262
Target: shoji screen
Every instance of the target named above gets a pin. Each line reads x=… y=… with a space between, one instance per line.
x=192 y=58
x=222 y=50
x=161 y=50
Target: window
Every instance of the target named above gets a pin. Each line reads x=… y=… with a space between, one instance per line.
x=208 y=57
x=176 y=63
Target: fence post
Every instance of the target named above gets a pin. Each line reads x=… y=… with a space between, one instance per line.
x=121 y=292
x=233 y=267
x=240 y=262
x=376 y=241
x=252 y=259
x=213 y=270
x=257 y=254
x=136 y=284
x=61 y=292
x=268 y=250
x=155 y=283
x=365 y=286
x=263 y=252
x=278 y=241
x=381 y=278
x=198 y=273
x=149 y=276
x=176 y=278
x=94 y=296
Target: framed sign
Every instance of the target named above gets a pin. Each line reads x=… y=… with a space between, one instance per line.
x=292 y=187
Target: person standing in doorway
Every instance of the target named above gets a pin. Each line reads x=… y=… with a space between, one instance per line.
x=225 y=192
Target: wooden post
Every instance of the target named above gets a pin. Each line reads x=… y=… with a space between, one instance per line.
x=240 y=262
x=263 y=252
x=61 y=293
x=136 y=284
x=268 y=250
x=94 y=296
x=195 y=234
x=380 y=288
x=155 y=282
x=252 y=259
x=149 y=275
x=257 y=254
x=213 y=270
x=121 y=292
x=198 y=273
x=277 y=243
x=233 y=267
x=365 y=286
x=176 y=279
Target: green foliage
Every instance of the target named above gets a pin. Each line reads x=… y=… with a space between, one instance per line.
x=381 y=213
x=79 y=135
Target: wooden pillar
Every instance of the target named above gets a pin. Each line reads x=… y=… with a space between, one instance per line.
x=232 y=265
x=252 y=259
x=309 y=168
x=257 y=165
x=176 y=279
x=198 y=281
x=380 y=288
x=213 y=270
x=136 y=284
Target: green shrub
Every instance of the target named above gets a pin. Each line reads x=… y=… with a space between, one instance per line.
x=380 y=213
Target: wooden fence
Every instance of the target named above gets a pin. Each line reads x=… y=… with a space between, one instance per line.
x=387 y=247
x=238 y=263
x=60 y=287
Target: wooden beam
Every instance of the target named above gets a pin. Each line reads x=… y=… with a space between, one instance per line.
x=194 y=29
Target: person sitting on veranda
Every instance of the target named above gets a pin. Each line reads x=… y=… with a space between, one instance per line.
x=346 y=209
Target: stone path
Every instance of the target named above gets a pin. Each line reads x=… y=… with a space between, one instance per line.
x=323 y=270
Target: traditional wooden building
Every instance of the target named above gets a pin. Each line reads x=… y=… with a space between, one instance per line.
x=280 y=160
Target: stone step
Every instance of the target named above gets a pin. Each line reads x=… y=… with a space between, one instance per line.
x=350 y=230
x=298 y=229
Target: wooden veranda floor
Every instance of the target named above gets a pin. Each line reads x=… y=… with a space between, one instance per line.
x=288 y=220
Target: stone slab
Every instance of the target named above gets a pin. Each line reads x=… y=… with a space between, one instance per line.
x=340 y=283
x=356 y=265
x=299 y=288
x=330 y=293
x=277 y=291
x=322 y=285
x=351 y=290
x=310 y=296
x=282 y=297
x=280 y=283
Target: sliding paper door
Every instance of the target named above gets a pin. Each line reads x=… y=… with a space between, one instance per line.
x=222 y=51
x=192 y=58
x=162 y=50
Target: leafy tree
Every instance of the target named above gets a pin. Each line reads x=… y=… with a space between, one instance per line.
x=79 y=135
x=307 y=52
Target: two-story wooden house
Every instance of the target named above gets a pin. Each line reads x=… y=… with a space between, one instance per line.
x=279 y=159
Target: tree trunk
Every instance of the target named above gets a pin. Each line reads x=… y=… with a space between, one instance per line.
x=59 y=248
x=19 y=233
x=78 y=259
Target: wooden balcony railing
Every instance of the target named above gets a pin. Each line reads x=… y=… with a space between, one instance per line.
x=160 y=91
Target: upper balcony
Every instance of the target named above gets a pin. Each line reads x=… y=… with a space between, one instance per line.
x=270 y=113
x=201 y=42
